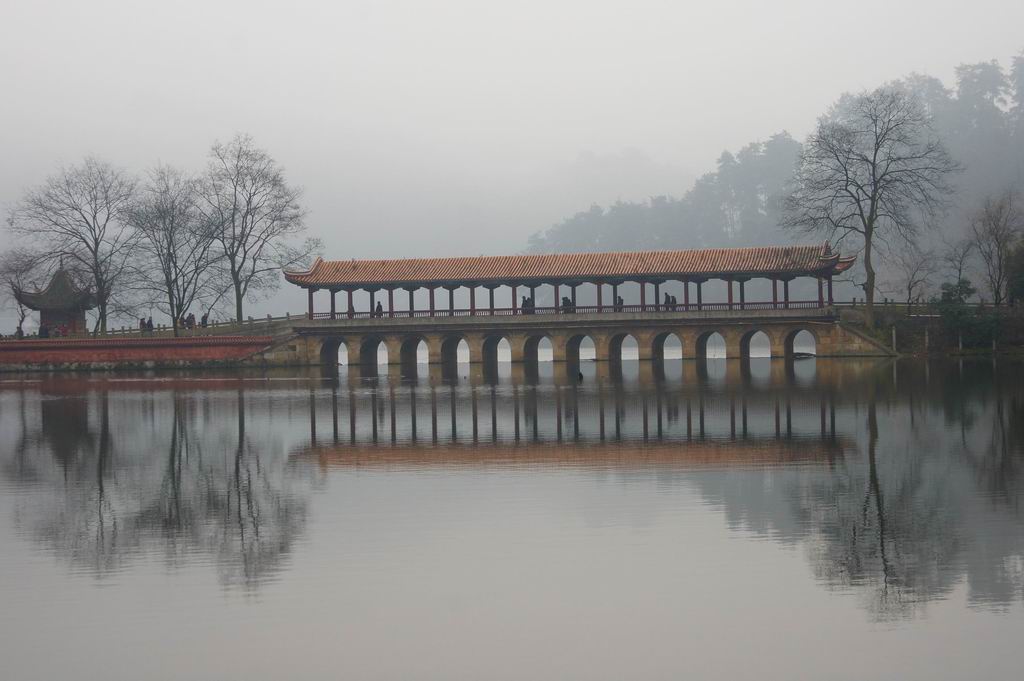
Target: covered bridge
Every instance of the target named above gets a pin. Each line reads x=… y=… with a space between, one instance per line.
x=566 y=272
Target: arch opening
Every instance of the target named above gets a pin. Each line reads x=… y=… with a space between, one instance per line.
x=580 y=348
x=413 y=353
x=667 y=345
x=801 y=343
x=580 y=354
x=496 y=349
x=536 y=350
x=372 y=352
x=623 y=347
x=334 y=353
x=497 y=356
x=710 y=345
x=755 y=344
x=452 y=347
x=462 y=352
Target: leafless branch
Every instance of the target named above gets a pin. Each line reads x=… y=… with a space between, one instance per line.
x=872 y=172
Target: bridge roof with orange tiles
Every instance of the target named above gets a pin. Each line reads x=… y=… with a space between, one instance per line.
x=777 y=262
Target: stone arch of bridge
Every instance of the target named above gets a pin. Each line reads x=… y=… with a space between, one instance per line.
x=490 y=345
x=330 y=349
x=409 y=348
x=790 y=339
x=754 y=337
x=450 y=344
x=574 y=343
x=369 y=349
x=659 y=340
x=490 y=353
x=700 y=343
x=617 y=341
x=531 y=349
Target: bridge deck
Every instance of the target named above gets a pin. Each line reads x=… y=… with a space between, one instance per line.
x=549 y=319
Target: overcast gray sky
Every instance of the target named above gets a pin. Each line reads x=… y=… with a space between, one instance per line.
x=454 y=127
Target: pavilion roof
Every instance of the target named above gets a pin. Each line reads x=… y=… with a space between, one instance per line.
x=62 y=293
x=782 y=262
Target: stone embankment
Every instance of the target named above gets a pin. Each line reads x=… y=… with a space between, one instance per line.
x=296 y=342
x=922 y=331
x=101 y=354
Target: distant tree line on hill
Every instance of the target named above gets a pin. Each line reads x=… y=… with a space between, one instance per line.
x=951 y=212
x=737 y=204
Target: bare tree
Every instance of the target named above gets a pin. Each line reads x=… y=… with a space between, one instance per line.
x=872 y=170
x=254 y=214
x=177 y=245
x=997 y=227
x=957 y=257
x=914 y=269
x=78 y=215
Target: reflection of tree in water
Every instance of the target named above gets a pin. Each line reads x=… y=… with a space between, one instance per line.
x=999 y=463
x=884 y=528
x=112 y=503
x=933 y=503
x=81 y=520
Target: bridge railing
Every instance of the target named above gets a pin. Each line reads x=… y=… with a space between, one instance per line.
x=577 y=309
x=895 y=309
x=256 y=324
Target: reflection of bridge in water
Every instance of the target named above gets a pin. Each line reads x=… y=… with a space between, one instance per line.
x=771 y=411
x=735 y=454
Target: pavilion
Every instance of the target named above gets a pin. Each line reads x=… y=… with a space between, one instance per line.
x=62 y=302
x=648 y=269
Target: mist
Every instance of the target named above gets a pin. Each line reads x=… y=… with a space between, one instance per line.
x=461 y=128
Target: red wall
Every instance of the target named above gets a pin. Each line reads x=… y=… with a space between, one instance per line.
x=130 y=351
x=75 y=321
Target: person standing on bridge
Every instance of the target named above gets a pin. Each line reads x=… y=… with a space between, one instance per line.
x=379 y=310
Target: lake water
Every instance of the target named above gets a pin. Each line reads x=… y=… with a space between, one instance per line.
x=827 y=519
